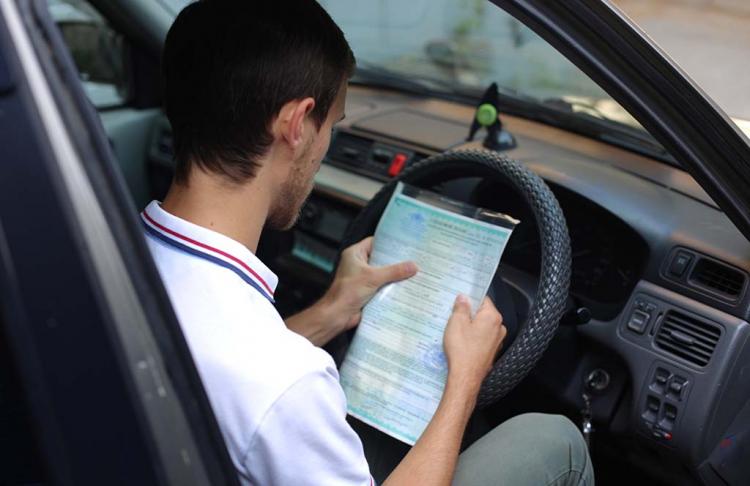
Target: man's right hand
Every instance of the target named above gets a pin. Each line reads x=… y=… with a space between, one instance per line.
x=470 y=347
x=472 y=344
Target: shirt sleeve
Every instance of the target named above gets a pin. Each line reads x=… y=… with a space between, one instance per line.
x=304 y=439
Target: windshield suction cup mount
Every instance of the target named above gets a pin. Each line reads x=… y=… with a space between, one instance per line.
x=487 y=116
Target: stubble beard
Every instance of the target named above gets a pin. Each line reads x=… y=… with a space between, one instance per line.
x=293 y=194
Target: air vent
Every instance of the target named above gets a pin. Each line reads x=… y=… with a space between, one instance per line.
x=687 y=337
x=718 y=277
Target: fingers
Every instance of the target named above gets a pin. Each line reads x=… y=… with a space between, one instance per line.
x=354 y=320
x=393 y=273
x=487 y=309
x=488 y=315
x=471 y=344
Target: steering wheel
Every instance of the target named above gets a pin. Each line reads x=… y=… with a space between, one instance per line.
x=535 y=334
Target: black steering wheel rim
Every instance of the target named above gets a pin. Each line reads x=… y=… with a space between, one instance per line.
x=540 y=327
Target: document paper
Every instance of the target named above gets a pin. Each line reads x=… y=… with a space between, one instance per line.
x=395 y=370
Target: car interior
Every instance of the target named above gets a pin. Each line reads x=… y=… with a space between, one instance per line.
x=652 y=344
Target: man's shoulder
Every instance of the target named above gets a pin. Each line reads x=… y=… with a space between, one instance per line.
x=201 y=289
x=245 y=354
x=231 y=325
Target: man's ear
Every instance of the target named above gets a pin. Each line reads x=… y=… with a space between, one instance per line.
x=292 y=120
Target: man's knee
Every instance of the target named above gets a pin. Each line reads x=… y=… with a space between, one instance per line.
x=555 y=428
x=530 y=449
x=556 y=439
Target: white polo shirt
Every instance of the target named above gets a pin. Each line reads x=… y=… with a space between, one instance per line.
x=277 y=397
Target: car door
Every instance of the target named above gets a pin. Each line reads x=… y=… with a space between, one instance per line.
x=98 y=384
x=607 y=46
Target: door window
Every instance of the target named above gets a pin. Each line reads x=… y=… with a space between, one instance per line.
x=98 y=51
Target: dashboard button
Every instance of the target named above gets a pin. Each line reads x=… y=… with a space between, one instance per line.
x=638 y=321
x=670 y=412
x=653 y=404
x=679 y=264
x=662 y=376
x=350 y=152
x=397 y=164
x=676 y=388
x=381 y=155
x=659 y=434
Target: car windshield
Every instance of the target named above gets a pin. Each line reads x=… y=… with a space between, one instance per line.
x=460 y=47
x=464 y=46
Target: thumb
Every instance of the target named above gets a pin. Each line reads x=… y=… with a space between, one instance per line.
x=462 y=307
x=394 y=273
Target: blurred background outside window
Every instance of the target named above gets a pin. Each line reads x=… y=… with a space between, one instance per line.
x=709 y=40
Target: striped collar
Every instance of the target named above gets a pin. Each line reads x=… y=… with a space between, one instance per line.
x=209 y=245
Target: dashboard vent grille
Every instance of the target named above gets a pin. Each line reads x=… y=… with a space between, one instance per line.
x=718 y=277
x=687 y=337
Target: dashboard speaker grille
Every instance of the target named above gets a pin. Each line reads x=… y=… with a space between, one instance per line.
x=688 y=338
x=718 y=277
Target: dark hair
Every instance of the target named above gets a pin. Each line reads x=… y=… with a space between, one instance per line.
x=230 y=65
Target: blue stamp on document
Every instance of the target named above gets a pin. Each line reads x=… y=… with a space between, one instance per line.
x=434 y=358
x=416 y=222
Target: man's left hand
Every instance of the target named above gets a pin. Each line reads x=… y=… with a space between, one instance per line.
x=354 y=284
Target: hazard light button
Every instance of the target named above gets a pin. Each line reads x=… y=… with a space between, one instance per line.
x=398 y=162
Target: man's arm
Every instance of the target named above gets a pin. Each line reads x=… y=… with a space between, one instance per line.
x=304 y=438
x=354 y=284
x=470 y=346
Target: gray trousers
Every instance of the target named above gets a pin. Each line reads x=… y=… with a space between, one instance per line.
x=532 y=449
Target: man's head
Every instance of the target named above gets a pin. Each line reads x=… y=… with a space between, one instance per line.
x=246 y=82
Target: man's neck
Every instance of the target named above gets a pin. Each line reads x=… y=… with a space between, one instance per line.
x=238 y=212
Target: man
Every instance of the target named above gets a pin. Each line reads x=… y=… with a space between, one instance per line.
x=252 y=90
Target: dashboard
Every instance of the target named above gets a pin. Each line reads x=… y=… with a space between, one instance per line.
x=660 y=270
x=608 y=256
